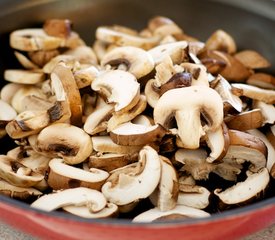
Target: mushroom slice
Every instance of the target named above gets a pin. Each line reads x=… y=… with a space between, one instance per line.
x=193 y=196
x=66 y=141
x=267 y=96
x=7 y=113
x=42 y=57
x=246 y=147
x=152 y=92
x=246 y=191
x=179 y=212
x=24 y=76
x=165 y=195
x=110 y=210
x=222 y=41
x=136 y=134
x=246 y=120
x=21 y=193
x=267 y=111
x=252 y=59
x=194 y=162
x=126 y=187
x=18 y=174
x=8 y=91
x=112 y=85
x=111 y=161
x=24 y=61
x=97 y=121
x=270 y=135
x=112 y=35
x=33 y=40
x=187 y=113
x=58 y=27
x=175 y=50
x=229 y=169
x=80 y=196
x=84 y=77
x=68 y=60
x=35 y=103
x=105 y=144
x=262 y=80
x=63 y=176
x=83 y=54
x=135 y=60
x=64 y=75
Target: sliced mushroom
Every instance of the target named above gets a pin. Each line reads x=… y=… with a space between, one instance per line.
x=35 y=103
x=179 y=212
x=84 y=77
x=262 y=80
x=245 y=191
x=270 y=135
x=110 y=210
x=126 y=187
x=135 y=60
x=187 y=112
x=66 y=141
x=68 y=60
x=63 y=176
x=83 y=54
x=229 y=169
x=24 y=61
x=152 y=92
x=42 y=57
x=58 y=27
x=24 y=76
x=267 y=111
x=7 y=112
x=8 y=91
x=165 y=195
x=81 y=196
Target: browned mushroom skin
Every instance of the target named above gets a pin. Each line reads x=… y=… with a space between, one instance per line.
x=58 y=27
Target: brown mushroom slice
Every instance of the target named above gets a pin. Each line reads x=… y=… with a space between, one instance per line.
x=80 y=196
x=252 y=59
x=111 y=161
x=222 y=41
x=7 y=92
x=66 y=141
x=85 y=76
x=267 y=111
x=33 y=40
x=21 y=193
x=18 y=174
x=63 y=176
x=187 y=113
x=123 y=188
x=58 y=27
x=105 y=144
x=24 y=61
x=262 y=80
x=135 y=60
x=199 y=73
x=175 y=50
x=66 y=59
x=270 y=148
x=24 y=76
x=180 y=211
x=64 y=75
x=112 y=84
x=130 y=134
x=246 y=147
x=193 y=196
x=165 y=195
x=195 y=163
x=7 y=113
x=152 y=92
x=42 y=57
x=110 y=210
x=120 y=38
x=246 y=120
x=270 y=135
x=245 y=191
x=267 y=96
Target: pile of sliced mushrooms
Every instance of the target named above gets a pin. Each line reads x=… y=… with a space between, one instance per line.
x=152 y=117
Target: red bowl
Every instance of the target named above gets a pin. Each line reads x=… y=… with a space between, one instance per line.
x=251 y=24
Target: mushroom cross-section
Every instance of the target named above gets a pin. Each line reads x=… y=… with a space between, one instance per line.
x=187 y=105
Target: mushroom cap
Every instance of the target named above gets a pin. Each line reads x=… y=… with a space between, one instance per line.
x=187 y=104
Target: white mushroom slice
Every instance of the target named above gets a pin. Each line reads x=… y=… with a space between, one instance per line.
x=24 y=61
x=249 y=189
x=165 y=195
x=199 y=73
x=229 y=169
x=136 y=60
x=267 y=110
x=126 y=187
x=63 y=74
x=131 y=134
x=270 y=148
x=105 y=144
x=175 y=50
x=7 y=113
x=152 y=93
x=110 y=35
x=21 y=193
x=84 y=77
x=81 y=196
x=144 y=120
x=187 y=104
x=24 y=76
x=67 y=59
x=17 y=174
x=83 y=54
x=267 y=96
x=63 y=176
x=66 y=141
x=33 y=40
x=179 y=212
x=112 y=85
x=194 y=162
x=8 y=91
x=97 y=121
x=193 y=196
x=34 y=103
x=110 y=210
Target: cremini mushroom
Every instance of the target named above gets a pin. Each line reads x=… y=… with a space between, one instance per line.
x=58 y=27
